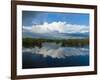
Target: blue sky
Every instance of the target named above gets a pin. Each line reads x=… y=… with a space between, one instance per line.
x=50 y=24
x=30 y=18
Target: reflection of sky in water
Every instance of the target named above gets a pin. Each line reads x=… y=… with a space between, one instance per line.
x=56 y=51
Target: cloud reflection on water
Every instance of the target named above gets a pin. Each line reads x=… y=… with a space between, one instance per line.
x=56 y=51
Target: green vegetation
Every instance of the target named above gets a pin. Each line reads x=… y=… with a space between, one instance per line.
x=30 y=42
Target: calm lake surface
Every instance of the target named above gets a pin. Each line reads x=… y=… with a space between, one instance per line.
x=53 y=55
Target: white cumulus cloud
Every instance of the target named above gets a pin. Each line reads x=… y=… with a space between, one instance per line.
x=61 y=27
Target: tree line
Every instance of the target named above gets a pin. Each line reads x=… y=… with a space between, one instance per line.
x=31 y=42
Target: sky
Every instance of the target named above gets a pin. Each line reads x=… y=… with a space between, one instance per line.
x=57 y=23
x=30 y=18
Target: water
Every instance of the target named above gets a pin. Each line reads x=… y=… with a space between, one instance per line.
x=53 y=55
